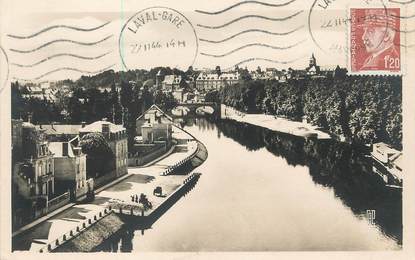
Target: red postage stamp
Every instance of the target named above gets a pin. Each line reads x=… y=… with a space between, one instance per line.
x=375 y=39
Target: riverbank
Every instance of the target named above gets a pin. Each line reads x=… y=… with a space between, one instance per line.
x=139 y=180
x=274 y=123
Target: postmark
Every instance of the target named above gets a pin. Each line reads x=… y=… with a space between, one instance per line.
x=4 y=69
x=159 y=32
x=375 y=39
x=329 y=26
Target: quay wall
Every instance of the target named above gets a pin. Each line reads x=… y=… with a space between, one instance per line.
x=95 y=231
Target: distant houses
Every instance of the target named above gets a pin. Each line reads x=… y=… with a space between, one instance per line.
x=209 y=81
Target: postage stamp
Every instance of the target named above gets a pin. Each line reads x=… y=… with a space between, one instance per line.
x=184 y=128
x=375 y=39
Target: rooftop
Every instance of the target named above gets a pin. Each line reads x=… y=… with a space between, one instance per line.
x=157 y=110
x=57 y=147
x=170 y=79
x=385 y=148
x=97 y=127
x=60 y=129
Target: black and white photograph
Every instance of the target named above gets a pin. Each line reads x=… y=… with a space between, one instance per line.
x=192 y=128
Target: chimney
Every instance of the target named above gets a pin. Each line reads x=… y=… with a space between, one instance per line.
x=29 y=118
x=106 y=129
x=65 y=149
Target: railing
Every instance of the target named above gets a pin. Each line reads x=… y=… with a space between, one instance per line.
x=58 y=201
x=171 y=169
x=55 y=243
x=45 y=177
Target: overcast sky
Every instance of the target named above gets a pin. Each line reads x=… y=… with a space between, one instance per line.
x=20 y=18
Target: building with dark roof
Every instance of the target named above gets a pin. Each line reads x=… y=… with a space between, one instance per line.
x=70 y=168
x=116 y=136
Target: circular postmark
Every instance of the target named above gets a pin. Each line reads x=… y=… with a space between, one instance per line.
x=158 y=36
x=329 y=23
x=4 y=69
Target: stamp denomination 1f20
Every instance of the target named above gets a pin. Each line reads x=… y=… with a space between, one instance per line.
x=158 y=35
x=375 y=39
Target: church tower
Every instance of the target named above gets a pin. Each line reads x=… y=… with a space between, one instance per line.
x=159 y=79
x=312 y=61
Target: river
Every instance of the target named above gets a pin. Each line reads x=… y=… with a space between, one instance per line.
x=266 y=191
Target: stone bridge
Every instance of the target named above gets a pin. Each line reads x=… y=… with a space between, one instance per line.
x=194 y=107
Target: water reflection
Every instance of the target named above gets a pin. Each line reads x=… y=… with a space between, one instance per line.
x=232 y=185
x=343 y=167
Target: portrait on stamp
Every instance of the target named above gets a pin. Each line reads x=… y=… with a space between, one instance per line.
x=193 y=127
x=375 y=39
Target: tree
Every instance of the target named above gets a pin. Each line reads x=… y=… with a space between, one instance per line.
x=126 y=97
x=164 y=101
x=17 y=102
x=212 y=96
x=100 y=158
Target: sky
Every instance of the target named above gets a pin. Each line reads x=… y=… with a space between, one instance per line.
x=269 y=33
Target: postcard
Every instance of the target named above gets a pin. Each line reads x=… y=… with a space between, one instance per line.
x=207 y=129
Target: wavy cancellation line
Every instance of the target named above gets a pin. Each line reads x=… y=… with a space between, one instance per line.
x=62 y=40
x=67 y=68
x=402 y=2
x=250 y=31
x=251 y=16
x=269 y=60
x=403 y=17
x=244 y=3
x=252 y=45
x=4 y=83
x=405 y=31
x=61 y=55
x=55 y=27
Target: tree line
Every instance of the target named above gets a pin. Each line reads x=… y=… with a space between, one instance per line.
x=362 y=109
x=120 y=97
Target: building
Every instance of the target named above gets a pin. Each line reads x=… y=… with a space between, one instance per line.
x=387 y=163
x=55 y=132
x=178 y=94
x=34 y=92
x=154 y=136
x=17 y=139
x=116 y=136
x=33 y=183
x=38 y=161
x=312 y=68
x=213 y=81
x=172 y=83
x=271 y=73
x=154 y=125
x=383 y=152
x=70 y=168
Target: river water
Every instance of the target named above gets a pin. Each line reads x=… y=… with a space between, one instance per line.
x=266 y=191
